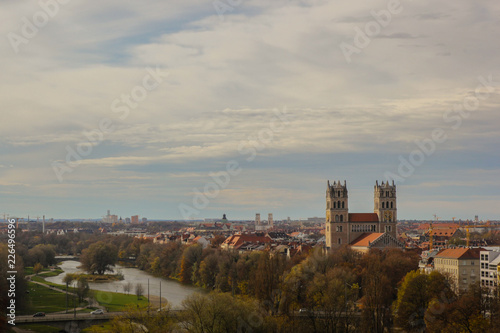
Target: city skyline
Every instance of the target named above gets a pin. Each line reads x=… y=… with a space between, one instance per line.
x=140 y=108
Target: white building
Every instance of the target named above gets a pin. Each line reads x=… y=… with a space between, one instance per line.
x=489 y=262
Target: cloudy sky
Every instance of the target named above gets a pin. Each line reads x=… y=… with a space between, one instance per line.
x=192 y=109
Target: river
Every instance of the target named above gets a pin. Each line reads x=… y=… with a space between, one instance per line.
x=173 y=291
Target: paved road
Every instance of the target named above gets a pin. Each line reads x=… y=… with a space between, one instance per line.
x=65 y=317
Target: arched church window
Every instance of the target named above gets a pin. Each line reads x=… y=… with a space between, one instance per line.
x=334 y=204
x=343 y=204
x=392 y=204
x=383 y=204
x=336 y=218
x=341 y=218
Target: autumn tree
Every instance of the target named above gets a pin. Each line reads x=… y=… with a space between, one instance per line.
x=82 y=288
x=99 y=258
x=218 y=312
x=37 y=268
x=138 y=319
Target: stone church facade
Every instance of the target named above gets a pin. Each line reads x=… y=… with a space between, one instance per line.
x=343 y=227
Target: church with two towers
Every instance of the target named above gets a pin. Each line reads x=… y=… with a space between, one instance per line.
x=361 y=231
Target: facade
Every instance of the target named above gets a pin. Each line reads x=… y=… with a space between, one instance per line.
x=490 y=262
x=343 y=227
x=462 y=264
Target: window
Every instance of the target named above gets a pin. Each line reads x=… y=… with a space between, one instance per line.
x=482 y=273
x=327 y=228
x=482 y=265
x=392 y=204
x=482 y=256
x=383 y=204
x=343 y=204
x=336 y=218
x=341 y=218
x=334 y=205
x=485 y=257
x=340 y=241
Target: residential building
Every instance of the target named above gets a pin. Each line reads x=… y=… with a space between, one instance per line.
x=490 y=262
x=462 y=264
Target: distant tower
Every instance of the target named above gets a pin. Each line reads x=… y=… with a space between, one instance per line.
x=385 y=206
x=270 y=219
x=257 y=219
x=43 y=226
x=337 y=214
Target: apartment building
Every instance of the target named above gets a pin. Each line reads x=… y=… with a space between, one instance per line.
x=490 y=264
x=462 y=264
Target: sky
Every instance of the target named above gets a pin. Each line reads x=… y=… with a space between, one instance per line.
x=192 y=109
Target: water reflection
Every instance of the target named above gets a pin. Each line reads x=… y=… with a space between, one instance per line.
x=173 y=291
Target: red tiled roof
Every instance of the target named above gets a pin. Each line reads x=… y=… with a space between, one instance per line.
x=236 y=240
x=461 y=253
x=366 y=238
x=363 y=217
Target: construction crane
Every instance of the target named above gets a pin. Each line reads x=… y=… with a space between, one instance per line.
x=467 y=232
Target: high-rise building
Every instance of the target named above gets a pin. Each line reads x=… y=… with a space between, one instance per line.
x=135 y=219
x=270 y=219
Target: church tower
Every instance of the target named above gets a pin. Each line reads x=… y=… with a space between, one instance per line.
x=337 y=214
x=385 y=207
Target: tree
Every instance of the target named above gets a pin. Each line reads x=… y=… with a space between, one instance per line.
x=465 y=314
x=413 y=300
x=37 y=268
x=135 y=320
x=82 y=288
x=219 y=312
x=68 y=279
x=139 y=290
x=99 y=258
x=127 y=288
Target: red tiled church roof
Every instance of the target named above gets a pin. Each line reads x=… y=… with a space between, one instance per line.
x=363 y=217
x=366 y=238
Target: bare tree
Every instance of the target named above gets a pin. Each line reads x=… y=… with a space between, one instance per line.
x=127 y=288
x=139 y=290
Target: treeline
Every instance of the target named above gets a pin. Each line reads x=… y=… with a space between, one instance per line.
x=314 y=292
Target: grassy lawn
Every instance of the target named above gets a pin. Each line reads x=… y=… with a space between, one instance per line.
x=46 y=300
x=55 y=272
x=40 y=328
x=118 y=301
x=112 y=301
x=29 y=270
